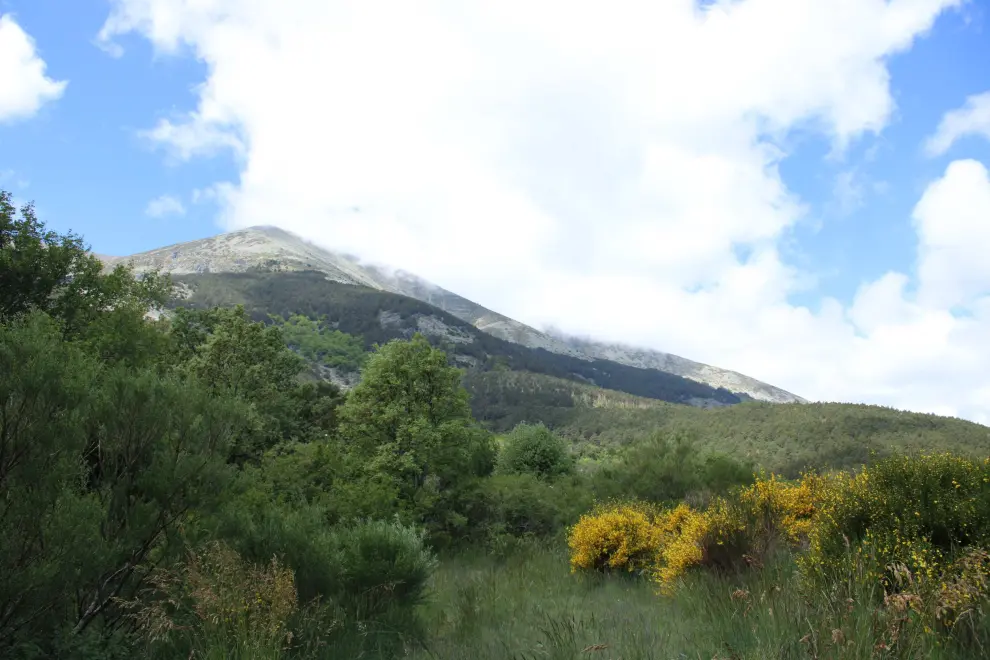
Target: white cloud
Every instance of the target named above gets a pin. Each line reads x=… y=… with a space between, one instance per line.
x=848 y=191
x=971 y=119
x=24 y=86
x=163 y=206
x=595 y=168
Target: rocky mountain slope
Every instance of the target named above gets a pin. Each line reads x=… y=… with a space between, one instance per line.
x=272 y=249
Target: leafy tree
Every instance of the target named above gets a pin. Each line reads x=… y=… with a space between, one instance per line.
x=408 y=427
x=231 y=353
x=46 y=271
x=48 y=524
x=534 y=449
x=235 y=356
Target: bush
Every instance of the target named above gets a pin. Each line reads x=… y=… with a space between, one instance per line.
x=917 y=512
x=522 y=505
x=666 y=469
x=534 y=449
x=716 y=538
x=383 y=566
x=216 y=603
x=616 y=537
x=731 y=532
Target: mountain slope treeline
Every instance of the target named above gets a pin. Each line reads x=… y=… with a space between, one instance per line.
x=783 y=437
x=378 y=316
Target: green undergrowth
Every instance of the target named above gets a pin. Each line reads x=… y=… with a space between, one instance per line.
x=529 y=606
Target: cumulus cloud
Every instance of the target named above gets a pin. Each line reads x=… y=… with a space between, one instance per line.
x=24 y=85
x=164 y=205
x=610 y=170
x=971 y=119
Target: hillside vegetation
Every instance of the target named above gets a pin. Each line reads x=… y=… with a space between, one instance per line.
x=181 y=486
x=510 y=384
x=782 y=437
x=378 y=316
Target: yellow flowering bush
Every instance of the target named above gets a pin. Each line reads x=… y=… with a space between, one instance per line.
x=716 y=537
x=667 y=543
x=777 y=506
x=915 y=512
x=916 y=526
x=963 y=594
x=622 y=536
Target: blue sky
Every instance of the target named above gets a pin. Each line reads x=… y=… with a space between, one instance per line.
x=542 y=161
x=82 y=156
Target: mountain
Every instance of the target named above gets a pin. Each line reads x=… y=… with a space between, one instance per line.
x=270 y=249
x=376 y=316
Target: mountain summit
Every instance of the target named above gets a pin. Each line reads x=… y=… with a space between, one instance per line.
x=271 y=248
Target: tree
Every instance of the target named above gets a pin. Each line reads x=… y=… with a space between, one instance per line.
x=46 y=271
x=535 y=449
x=408 y=428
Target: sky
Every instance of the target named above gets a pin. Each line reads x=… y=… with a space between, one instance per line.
x=797 y=190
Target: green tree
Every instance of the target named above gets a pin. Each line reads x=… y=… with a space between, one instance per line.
x=408 y=428
x=235 y=356
x=534 y=449
x=54 y=273
x=229 y=352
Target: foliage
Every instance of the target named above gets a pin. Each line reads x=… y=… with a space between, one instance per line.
x=383 y=565
x=44 y=271
x=732 y=531
x=523 y=505
x=534 y=449
x=407 y=428
x=237 y=357
x=224 y=348
x=320 y=344
x=360 y=311
x=217 y=604
x=787 y=439
x=619 y=536
x=100 y=465
x=915 y=511
x=668 y=468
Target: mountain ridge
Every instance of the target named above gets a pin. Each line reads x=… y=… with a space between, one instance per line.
x=267 y=247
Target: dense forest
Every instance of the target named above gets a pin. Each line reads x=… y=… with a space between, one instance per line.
x=184 y=485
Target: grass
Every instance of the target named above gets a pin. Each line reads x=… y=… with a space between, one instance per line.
x=530 y=607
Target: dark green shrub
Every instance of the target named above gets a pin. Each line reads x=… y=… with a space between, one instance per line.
x=383 y=566
x=522 y=505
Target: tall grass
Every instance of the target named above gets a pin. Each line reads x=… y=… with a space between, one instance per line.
x=531 y=607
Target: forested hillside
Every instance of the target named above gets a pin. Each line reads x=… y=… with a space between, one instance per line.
x=378 y=316
x=593 y=405
x=784 y=437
